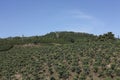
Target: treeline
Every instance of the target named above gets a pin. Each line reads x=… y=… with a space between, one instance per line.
x=55 y=37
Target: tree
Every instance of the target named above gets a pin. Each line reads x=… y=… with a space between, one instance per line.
x=106 y=37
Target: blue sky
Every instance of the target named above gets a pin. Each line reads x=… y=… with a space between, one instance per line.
x=38 y=17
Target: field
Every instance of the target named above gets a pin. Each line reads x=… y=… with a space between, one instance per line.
x=88 y=61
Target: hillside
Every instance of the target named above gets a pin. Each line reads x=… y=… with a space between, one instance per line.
x=48 y=39
x=60 y=56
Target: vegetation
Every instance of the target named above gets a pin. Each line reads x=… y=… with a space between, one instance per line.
x=60 y=56
x=107 y=37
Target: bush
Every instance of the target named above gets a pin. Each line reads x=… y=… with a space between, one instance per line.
x=5 y=47
x=52 y=78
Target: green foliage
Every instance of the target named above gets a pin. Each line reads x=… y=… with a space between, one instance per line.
x=106 y=37
x=53 y=37
x=5 y=47
x=80 y=60
x=52 y=78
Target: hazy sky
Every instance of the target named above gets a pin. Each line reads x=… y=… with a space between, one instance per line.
x=37 y=17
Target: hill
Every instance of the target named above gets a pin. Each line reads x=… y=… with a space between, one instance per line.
x=48 y=39
x=60 y=56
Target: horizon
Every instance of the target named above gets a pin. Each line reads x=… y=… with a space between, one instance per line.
x=54 y=32
x=31 y=18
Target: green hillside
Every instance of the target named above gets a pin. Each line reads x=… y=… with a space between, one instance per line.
x=60 y=56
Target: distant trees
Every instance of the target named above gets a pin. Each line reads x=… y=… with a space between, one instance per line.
x=106 y=37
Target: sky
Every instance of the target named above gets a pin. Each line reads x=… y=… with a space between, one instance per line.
x=38 y=17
